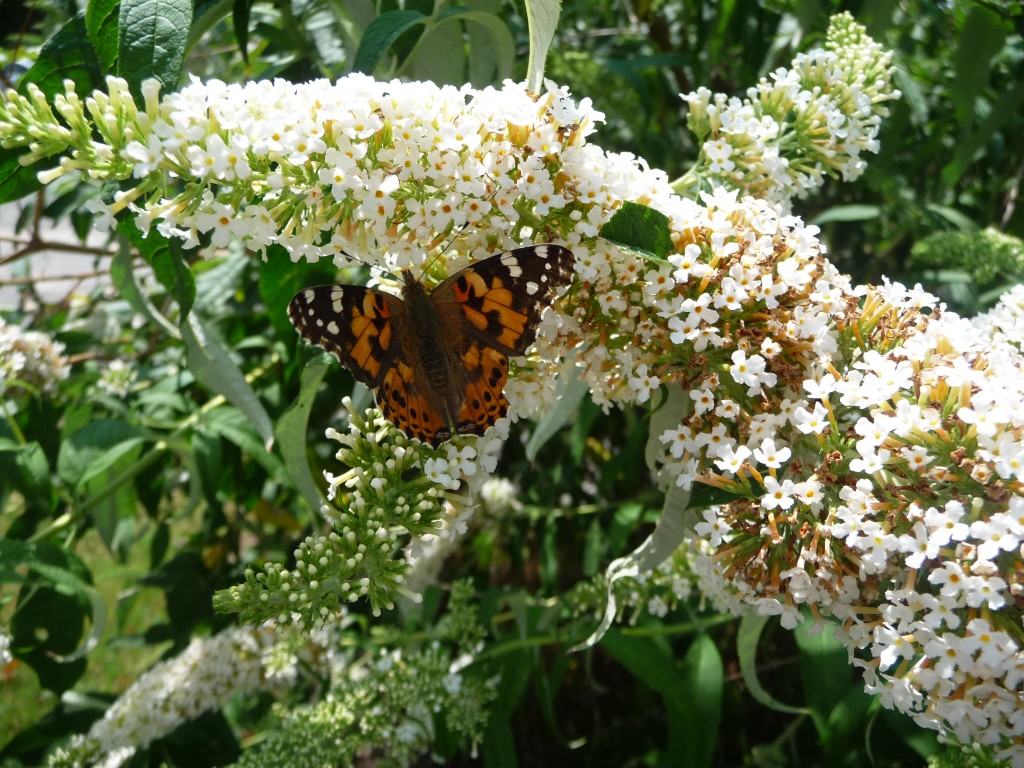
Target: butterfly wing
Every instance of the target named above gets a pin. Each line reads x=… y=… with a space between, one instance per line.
x=497 y=304
x=358 y=325
x=411 y=405
x=503 y=297
x=366 y=330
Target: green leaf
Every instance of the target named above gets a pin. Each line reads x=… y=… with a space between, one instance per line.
x=240 y=24
x=692 y=691
x=499 y=745
x=440 y=55
x=380 y=35
x=167 y=258
x=280 y=278
x=210 y=360
x=154 y=34
x=967 y=149
x=959 y=220
x=237 y=427
x=697 y=709
x=542 y=17
x=492 y=48
x=291 y=433
x=122 y=275
x=32 y=476
x=46 y=626
x=17 y=180
x=641 y=228
x=101 y=19
x=747 y=639
x=980 y=40
x=858 y=212
x=67 y=55
x=572 y=388
x=826 y=671
x=88 y=443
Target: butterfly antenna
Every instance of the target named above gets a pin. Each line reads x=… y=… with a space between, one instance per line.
x=454 y=237
x=451 y=242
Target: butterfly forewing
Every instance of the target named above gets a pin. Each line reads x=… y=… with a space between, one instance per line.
x=442 y=368
x=503 y=297
x=355 y=324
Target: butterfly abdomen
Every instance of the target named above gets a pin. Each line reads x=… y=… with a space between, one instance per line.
x=431 y=338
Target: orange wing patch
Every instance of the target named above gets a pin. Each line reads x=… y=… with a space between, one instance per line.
x=485 y=403
x=406 y=405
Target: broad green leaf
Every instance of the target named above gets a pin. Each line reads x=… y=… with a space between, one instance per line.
x=697 y=708
x=441 y=53
x=703 y=496
x=692 y=691
x=167 y=258
x=210 y=360
x=101 y=19
x=641 y=228
x=572 y=388
x=747 y=639
x=46 y=626
x=860 y=212
x=959 y=220
x=280 y=278
x=32 y=478
x=542 y=17
x=237 y=427
x=220 y=281
x=67 y=55
x=980 y=40
x=113 y=455
x=153 y=36
x=88 y=443
x=17 y=180
x=291 y=433
x=122 y=274
x=492 y=48
x=240 y=24
x=826 y=670
x=380 y=35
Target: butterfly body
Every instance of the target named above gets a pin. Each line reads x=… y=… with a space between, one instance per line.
x=438 y=361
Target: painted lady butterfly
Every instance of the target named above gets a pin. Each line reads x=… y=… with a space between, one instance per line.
x=438 y=361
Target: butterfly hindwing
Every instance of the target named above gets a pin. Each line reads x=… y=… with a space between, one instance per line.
x=502 y=297
x=358 y=325
x=486 y=373
x=410 y=406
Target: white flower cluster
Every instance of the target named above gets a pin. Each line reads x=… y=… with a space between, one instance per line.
x=384 y=169
x=30 y=359
x=897 y=509
x=203 y=677
x=802 y=124
x=1004 y=323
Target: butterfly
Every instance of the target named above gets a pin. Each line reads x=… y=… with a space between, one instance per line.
x=438 y=361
